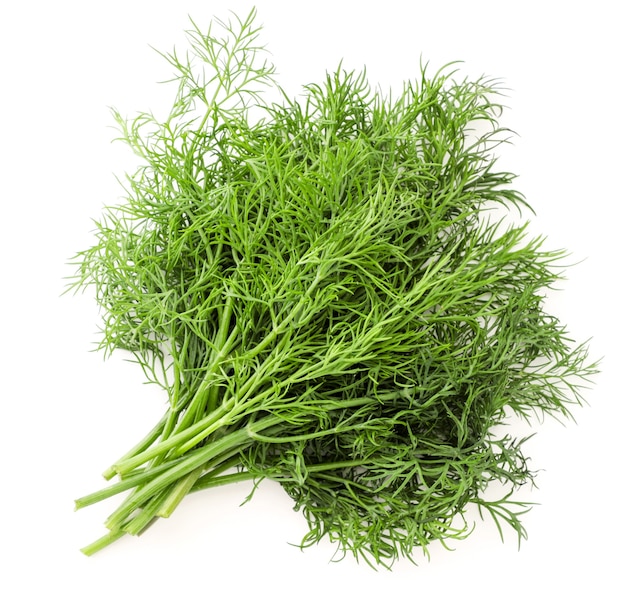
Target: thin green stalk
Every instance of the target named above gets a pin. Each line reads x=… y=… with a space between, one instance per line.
x=209 y=424
x=178 y=492
x=141 y=446
x=103 y=542
x=148 y=512
x=186 y=465
x=127 y=483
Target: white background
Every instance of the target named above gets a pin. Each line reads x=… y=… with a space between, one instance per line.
x=66 y=414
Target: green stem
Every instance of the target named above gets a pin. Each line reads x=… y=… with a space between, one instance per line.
x=102 y=542
x=212 y=481
x=140 y=447
x=186 y=464
x=205 y=398
x=148 y=513
x=209 y=424
x=180 y=490
x=126 y=483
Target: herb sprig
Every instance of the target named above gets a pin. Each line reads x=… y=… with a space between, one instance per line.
x=321 y=291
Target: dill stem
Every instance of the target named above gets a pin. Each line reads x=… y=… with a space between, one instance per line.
x=140 y=447
x=205 y=398
x=214 y=480
x=186 y=464
x=148 y=512
x=180 y=490
x=208 y=424
x=102 y=542
x=128 y=482
x=220 y=343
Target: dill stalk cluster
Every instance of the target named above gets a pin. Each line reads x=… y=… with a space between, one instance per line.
x=317 y=288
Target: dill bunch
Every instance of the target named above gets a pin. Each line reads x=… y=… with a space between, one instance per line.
x=324 y=289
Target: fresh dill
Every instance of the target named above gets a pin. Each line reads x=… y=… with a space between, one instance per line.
x=319 y=288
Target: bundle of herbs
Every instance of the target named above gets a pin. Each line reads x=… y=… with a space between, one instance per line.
x=325 y=291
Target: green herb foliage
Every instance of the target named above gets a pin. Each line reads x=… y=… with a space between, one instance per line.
x=325 y=291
